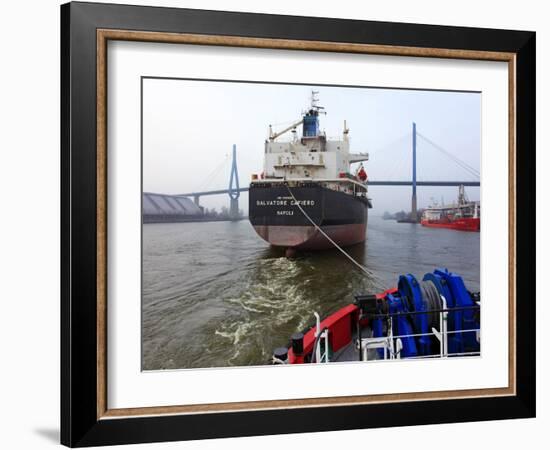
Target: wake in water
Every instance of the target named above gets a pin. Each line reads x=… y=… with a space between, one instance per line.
x=282 y=295
x=214 y=295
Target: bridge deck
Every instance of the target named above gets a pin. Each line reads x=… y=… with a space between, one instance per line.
x=370 y=183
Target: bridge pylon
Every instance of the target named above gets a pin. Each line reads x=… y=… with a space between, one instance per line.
x=414 y=212
x=233 y=190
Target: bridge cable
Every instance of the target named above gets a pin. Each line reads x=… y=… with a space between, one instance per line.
x=461 y=163
x=402 y=163
x=214 y=173
x=396 y=144
x=360 y=266
x=458 y=161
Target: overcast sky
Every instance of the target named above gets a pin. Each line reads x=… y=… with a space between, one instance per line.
x=189 y=128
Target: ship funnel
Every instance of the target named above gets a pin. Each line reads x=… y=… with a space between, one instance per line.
x=311 y=118
x=311 y=124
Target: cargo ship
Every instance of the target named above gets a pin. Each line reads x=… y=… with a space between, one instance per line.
x=463 y=216
x=306 y=198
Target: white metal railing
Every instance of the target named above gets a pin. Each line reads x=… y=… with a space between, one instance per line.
x=309 y=179
x=320 y=336
x=392 y=344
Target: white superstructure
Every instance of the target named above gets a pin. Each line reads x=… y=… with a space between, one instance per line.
x=310 y=156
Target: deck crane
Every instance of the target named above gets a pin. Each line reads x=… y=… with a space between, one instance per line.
x=273 y=136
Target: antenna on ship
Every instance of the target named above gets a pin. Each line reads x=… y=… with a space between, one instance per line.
x=462 y=197
x=315 y=102
x=346 y=131
x=314 y=99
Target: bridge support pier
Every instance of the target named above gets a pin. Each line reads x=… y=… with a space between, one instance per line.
x=196 y=199
x=234 y=208
x=234 y=191
x=414 y=212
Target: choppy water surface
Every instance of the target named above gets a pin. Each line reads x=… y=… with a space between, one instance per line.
x=215 y=294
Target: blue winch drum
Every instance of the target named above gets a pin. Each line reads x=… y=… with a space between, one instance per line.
x=410 y=289
x=412 y=297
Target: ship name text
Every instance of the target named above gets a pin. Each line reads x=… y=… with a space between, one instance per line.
x=285 y=202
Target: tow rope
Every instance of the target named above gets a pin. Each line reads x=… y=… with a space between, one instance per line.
x=360 y=266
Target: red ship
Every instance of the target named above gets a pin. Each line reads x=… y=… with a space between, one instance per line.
x=464 y=216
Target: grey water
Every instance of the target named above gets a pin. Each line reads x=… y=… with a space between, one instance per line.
x=216 y=295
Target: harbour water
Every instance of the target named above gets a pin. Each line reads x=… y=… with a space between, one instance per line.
x=215 y=295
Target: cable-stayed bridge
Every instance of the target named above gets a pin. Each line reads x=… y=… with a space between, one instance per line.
x=234 y=190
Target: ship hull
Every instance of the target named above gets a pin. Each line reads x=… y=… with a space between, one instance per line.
x=279 y=221
x=466 y=224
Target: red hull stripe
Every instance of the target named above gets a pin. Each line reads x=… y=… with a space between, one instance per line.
x=308 y=238
x=339 y=325
x=341 y=321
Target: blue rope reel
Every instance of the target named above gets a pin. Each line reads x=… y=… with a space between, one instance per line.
x=418 y=308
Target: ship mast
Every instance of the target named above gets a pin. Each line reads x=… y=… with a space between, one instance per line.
x=310 y=120
x=462 y=200
x=315 y=108
x=315 y=100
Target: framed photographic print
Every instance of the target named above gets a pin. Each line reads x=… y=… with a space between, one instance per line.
x=277 y=224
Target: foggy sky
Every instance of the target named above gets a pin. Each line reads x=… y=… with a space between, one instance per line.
x=189 y=128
